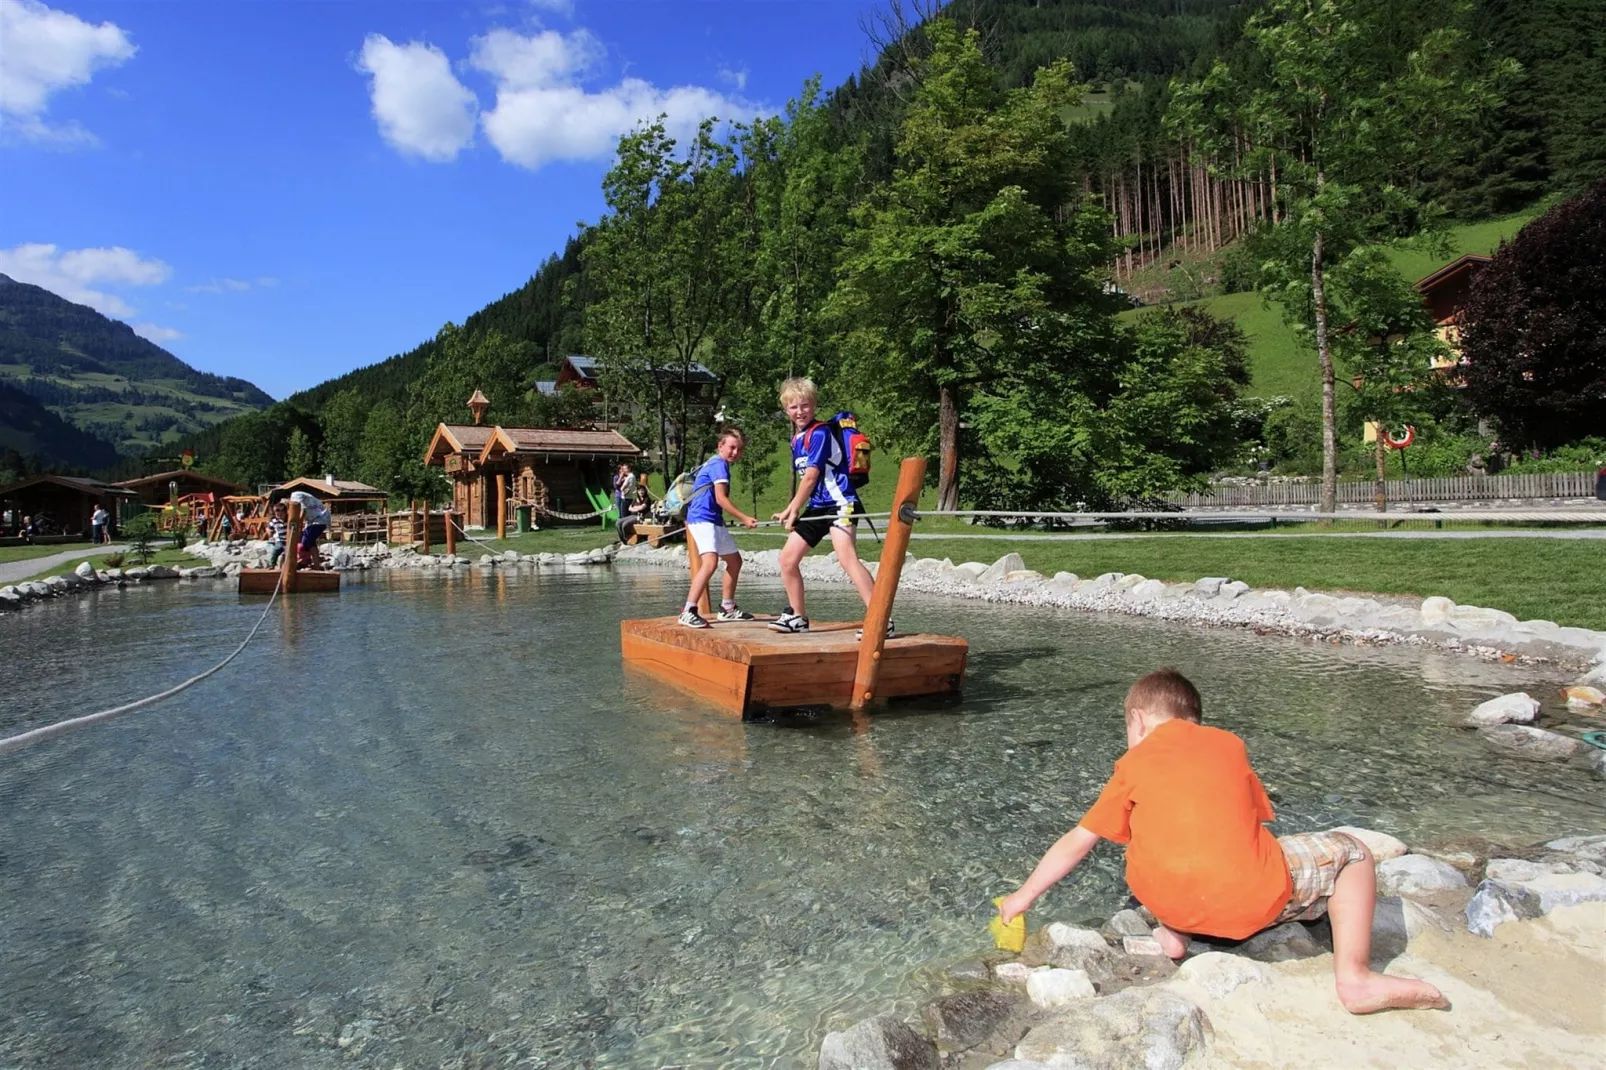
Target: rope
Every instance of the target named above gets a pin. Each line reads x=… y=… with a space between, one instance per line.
x=1578 y=516
x=61 y=728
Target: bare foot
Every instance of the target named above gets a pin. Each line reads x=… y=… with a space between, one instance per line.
x=1375 y=992
x=1173 y=944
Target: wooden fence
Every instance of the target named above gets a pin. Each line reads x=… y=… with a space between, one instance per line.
x=1453 y=489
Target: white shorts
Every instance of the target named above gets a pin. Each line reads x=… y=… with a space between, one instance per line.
x=712 y=538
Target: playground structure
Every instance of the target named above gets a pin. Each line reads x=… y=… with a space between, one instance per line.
x=250 y=514
x=748 y=669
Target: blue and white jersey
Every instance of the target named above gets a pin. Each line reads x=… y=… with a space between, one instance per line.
x=817 y=447
x=702 y=507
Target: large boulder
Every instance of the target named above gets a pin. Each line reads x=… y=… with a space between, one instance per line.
x=1532 y=744
x=998 y=570
x=1417 y=875
x=1153 y=1028
x=1053 y=987
x=1382 y=846
x=1495 y=903
x=879 y=1043
x=1289 y=940
x=1218 y=973
x=86 y=571
x=1515 y=708
x=964 y=1019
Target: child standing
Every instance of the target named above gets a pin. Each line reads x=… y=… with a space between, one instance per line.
x=276 y=535
x=314 y=522
x=1190 y=810
x=705 y=523
x=825 y=501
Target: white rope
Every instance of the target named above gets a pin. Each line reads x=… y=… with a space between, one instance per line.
x=61 y=728
x=1577 y=516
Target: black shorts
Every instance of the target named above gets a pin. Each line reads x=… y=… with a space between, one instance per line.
x=815 y=522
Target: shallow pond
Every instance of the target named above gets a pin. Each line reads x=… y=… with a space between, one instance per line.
x=429 y=822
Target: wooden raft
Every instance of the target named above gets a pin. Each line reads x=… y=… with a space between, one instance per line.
x=263 y=580
x=746 y=668
x=288 y=578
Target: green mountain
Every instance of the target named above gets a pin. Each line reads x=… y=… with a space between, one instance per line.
x=99 y=377
x=34 y=431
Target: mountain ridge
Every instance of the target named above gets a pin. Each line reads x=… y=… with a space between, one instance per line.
x=97 y=376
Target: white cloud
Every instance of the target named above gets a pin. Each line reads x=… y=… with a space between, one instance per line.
x=731 y=76
x=153 y=333
x=542 y=113
x=421 y=107
x=231 y=286
x=46 y=51
x=77 y=274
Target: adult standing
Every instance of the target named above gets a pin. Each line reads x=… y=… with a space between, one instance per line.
x=97 y=525
x=624 y=489
x=314 y=522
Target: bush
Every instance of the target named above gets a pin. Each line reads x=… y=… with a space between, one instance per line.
x=1585 y=454
x=112 y=560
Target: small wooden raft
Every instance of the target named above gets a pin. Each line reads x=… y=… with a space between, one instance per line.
x=287 y=577
x=263 y=580
x=746 y=668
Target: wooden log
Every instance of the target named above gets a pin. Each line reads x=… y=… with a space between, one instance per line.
x=911 y=477
x=694 y=560
x=292 y=536
x=451 y=533
x=426 y=525
x=501 y=505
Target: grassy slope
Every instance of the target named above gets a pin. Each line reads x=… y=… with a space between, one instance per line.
x=1281 y=364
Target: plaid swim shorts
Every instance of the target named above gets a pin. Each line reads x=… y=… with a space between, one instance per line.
x=1315 y=860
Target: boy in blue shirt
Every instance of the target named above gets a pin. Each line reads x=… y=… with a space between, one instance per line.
x=705 y=523
x=825 y=501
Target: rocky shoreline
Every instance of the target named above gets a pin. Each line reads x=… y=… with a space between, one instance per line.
x=1107 y=997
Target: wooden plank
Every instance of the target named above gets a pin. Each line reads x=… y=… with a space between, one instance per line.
x=302 y=581
x=716 y=679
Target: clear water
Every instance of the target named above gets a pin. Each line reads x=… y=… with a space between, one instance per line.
x=428 y=822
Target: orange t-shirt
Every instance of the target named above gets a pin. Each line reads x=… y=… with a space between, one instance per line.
x=1189 y=808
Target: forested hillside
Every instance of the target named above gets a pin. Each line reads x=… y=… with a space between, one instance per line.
x=1171 y=162
x=98 y=376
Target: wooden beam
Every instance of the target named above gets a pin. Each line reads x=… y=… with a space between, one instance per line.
x=426 y=525
x=451 y=532
x=292 y=535
x=911 y=477
x=501 y=505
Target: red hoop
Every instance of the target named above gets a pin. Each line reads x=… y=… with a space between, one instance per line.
x=1400 y=443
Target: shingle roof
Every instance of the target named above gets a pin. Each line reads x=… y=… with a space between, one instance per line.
x=558 y=440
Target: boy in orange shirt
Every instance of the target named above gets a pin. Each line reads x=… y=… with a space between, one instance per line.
x=1190 y=810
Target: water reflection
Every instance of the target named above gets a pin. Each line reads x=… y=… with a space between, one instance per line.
x=431 y=820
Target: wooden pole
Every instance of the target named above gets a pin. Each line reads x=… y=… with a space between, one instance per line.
x=412 y=520
x=694 y=561
x=426 y=525
x=451 y=533
x=911 y=477
x=501 y=505
x=292 y=535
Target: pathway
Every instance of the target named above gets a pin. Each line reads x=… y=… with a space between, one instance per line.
x=12 y=571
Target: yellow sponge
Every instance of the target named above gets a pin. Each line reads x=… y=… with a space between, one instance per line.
x=1011 y=937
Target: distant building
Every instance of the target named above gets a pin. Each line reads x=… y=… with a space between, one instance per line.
x=695 y=386
x=165 y=487
x=1444 y=293
x=357 y=511
x=542 y=467
x=65 y=503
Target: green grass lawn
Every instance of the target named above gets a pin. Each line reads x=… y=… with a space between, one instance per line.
x=25 y=553
x=1281 y=363
x=167 y=556
x=1550 y=579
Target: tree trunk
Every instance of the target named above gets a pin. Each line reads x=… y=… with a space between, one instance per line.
x=948 y=444
x=1381 y=495
x=1329 y=500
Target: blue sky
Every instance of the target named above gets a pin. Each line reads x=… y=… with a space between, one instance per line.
x=287 y=191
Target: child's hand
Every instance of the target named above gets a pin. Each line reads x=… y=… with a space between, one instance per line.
x=750 y=522
x=1014 y=905
x=787 y=517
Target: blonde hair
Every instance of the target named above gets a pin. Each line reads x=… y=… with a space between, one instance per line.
x=731 y=432
x=798 y=389
x=1166 y=691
